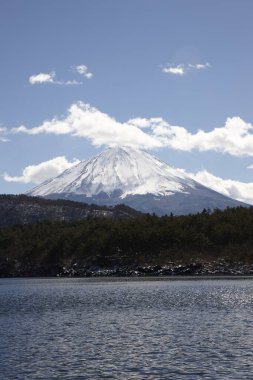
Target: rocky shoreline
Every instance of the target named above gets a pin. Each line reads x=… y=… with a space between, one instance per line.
x=172 y=269
x=217 y=268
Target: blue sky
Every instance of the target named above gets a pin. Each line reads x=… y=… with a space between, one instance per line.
x=170 y=67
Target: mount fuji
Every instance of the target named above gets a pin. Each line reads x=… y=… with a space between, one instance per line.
x=135 y=178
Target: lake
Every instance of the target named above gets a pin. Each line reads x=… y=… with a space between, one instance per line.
x=66 y=328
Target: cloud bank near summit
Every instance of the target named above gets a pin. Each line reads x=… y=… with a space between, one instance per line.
x=235 y=137
x=241 y=191
x=40 y=172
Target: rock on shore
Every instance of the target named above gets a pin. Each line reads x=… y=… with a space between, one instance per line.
x=219 y=267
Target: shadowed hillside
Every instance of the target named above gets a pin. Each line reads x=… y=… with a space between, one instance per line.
x=46 y=248
x=22 y=209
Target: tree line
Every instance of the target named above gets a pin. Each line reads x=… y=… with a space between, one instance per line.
x=144 y=240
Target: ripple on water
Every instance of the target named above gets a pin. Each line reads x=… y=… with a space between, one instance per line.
x=83 y=329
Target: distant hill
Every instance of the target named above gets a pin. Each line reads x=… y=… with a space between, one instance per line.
x=23 y=209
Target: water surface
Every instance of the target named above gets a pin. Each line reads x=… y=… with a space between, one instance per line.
x=107 y=329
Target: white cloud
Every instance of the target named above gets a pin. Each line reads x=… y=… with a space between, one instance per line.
x=101 y=129
x=182 y=69
x=42 y=78
x=241 y=191
x=50 y=78
x=42 y=171
x=82 y=70
x=234 y=138
x=175 y=70
x=139 y=122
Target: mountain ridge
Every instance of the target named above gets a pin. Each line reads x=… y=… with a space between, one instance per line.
x=23 y=209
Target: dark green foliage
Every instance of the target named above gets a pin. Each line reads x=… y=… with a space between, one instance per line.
x=143 y=240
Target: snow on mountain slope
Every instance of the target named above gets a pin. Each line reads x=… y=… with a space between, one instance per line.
x=127 y=169
x=135 y=178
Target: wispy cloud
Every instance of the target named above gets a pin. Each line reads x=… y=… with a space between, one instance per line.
x=3 y=133
x=183 y=69
x=50 y=78
x=42 y=171
x=68 y=82
x=82 y=70
x=199 y=66
x=82 y=120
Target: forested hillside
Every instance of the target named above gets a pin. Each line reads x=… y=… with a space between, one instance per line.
x=47 y=247
x=22 y=209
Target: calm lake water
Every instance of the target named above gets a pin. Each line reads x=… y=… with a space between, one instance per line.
x=108 y=329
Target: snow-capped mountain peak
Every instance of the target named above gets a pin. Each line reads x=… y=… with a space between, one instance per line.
x=135 y=178
x=126 y=169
